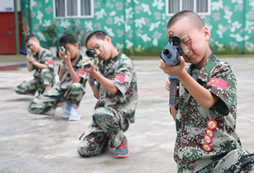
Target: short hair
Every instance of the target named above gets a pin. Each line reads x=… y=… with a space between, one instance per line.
x=67 y=38
x=194 y=19
x=28 y=37
x=98 y=34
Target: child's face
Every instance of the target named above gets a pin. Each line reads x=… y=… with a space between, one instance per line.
x=103 y=48
x=34 y=45
x=72 y=49
x=195 y=47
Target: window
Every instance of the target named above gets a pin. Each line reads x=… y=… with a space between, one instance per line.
x=73 y=8
x=201 y=7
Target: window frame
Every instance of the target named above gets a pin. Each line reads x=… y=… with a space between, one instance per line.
x=195 y=2
x=79 y=11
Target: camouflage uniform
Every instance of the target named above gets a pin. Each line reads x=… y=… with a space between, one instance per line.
x=227 y=154
x=42 y=77
x=65 y=90
x=113 y=112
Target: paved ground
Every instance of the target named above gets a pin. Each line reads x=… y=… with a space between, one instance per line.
x=37 y=143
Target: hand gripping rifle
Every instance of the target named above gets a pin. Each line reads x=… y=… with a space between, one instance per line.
x=171 y=56
x=28 y=50
x=86 y=62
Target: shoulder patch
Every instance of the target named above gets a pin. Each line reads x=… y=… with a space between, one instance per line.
x=218 y=82
x=81 y=72
x=50 y=62
x=120 y=78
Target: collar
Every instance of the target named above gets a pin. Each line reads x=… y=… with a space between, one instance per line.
x=40 y=54
x=113 y=59
x=77 y=59
x=204 y=73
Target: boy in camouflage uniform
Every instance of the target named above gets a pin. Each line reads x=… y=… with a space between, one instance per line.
x=69 y=91
x=205 y=114
x=40 y=61
x=117 y=99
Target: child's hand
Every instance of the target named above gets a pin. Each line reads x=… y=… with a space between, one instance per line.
x=66 y=57
x=90 y=69
x=173 y=70
x=167 y=84
x=30 y=58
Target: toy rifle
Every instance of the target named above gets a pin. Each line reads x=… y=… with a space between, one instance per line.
x=171 y=56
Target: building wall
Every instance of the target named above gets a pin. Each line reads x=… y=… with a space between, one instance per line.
x=8 y=6
x=138 y=26
x=231 y=24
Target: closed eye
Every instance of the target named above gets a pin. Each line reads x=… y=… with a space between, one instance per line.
x=187 y=42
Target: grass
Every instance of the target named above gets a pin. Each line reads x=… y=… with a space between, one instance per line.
x=235 y=55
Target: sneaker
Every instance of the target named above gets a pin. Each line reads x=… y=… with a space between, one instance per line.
x=122 y=149
x=75 y=115
x=67 y=107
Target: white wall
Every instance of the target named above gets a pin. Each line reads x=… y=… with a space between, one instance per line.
x=8 y=5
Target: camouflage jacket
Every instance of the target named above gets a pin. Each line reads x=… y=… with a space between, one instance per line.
x=120 y=70
x=45 y=57
x=66 y=80
x=191 y=118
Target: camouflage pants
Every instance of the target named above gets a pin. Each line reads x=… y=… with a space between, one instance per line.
x=47 y=103
x=29 y=87
x=108 y=126
x=236 y=161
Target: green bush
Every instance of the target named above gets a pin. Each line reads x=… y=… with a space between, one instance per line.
x=50 y=33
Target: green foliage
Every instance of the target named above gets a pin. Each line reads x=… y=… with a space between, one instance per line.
x=50 y=33
x=79 y=33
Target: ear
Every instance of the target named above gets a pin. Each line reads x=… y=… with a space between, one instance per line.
x=167 y=35
x=38 y=41
x=108 y=39
x=207 y=33
x=76 y=45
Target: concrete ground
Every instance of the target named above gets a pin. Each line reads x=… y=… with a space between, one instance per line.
x=37 y=143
